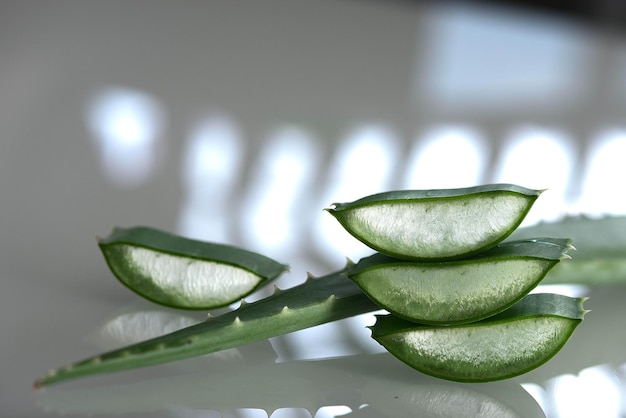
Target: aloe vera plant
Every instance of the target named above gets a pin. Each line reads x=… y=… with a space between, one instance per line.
x=335 y=296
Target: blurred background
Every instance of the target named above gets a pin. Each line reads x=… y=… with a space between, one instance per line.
x=239 y=121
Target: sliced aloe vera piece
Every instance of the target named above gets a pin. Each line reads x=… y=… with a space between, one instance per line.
x=436 y=224
x=185 y=273
x=509 y=344
x=459 y=291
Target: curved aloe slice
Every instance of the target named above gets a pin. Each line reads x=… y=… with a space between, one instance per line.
x=185 y=273
x=436 y=224
x=509 y=344
x=452 y=292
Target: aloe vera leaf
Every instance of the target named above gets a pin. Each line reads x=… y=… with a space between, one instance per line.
x=314 y=302
x=506 y=345
x=436 y=224
x=601 y=249
x=459 y=291
x=183 y=273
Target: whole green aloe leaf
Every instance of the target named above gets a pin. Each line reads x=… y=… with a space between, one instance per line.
x=316 y=301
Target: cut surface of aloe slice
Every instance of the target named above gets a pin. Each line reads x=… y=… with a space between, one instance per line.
x=185 y=273
x=506 y=345
x=436 y=224
x=459 y=291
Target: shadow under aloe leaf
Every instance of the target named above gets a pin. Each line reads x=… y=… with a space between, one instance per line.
x=377 y=380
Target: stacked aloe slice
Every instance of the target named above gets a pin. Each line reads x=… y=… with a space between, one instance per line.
x=457 y=295
x=455 y=290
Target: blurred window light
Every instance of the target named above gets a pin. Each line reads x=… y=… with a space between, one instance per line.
x=483 y=56
x=290 y=413
x=275 y=204
x=540 y=159
x=604 y=175
x=211 y=167
x=595 y=392
x=213 y=155
x=126 y=125
x=333 y=411
x=363 y=164
x=447 y=157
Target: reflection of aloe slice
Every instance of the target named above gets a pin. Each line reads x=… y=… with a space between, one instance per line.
x=436 y=224
x=184 y=273
x=511 y=343
x=458 y=291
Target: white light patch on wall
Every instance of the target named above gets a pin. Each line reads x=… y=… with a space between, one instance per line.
x=363 y=164
x=275 y=205
x=538 y=159
x=484 y=57
x=210 y=170
x=605 y=174
x=126 y=125
x=447 y=157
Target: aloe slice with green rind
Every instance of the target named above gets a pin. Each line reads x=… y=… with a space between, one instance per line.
x=436 y=224
x=506 y=345
x=184 y=273
x=459 y=291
